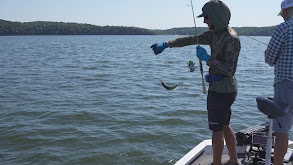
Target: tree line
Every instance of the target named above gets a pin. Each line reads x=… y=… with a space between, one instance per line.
x=61 y=28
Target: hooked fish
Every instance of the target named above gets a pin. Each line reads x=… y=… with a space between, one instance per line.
x=168 y=88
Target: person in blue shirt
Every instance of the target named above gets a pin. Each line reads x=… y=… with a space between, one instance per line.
x=279 y=54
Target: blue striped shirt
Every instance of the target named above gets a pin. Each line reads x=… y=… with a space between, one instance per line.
x=280 y=51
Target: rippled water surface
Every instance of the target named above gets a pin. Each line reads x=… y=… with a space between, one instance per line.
x=98 y=99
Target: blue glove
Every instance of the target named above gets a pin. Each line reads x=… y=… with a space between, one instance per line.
x=212 y=78
x=202 y=54
x=159 y=48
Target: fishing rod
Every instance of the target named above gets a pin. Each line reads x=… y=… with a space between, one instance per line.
x=197 y=42
x=191 y=64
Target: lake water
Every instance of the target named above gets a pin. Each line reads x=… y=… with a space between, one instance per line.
x=78 y=100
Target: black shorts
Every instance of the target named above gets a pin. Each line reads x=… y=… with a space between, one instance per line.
x=219 y=109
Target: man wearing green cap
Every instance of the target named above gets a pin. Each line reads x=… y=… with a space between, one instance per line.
x=225 y=48
x=280 y=55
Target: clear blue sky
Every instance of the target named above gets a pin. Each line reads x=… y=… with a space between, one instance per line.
x=150 y=14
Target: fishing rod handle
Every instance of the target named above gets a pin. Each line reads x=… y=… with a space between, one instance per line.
x=204 y=87
x=202 y=82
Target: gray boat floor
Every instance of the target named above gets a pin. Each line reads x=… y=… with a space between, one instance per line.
x=208 y=159
x=242 y=159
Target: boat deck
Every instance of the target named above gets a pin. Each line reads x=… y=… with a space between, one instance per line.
x=208 y=159
x=251 y=149
x=202 y=155
x=242 y=160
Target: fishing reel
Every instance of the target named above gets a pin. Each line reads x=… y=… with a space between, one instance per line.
x=191 y=66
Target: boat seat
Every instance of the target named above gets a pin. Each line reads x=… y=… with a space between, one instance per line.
x=271 y=108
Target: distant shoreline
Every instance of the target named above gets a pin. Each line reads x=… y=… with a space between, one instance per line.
x=9 y=28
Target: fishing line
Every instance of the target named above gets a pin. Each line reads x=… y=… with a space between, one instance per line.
x=190 y=63
x=257 y=40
